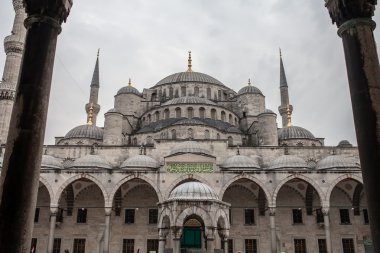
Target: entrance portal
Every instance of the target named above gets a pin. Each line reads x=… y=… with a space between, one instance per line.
x=192 y=234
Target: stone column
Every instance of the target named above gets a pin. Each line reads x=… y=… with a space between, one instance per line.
x=326 y=220
x=53 y=218
x=225 y=241
x=210 y=244
x=272 y=221
x=162 y=234
x=22 y=159
x=108 y=211
x=354 y=19
x=176 y=235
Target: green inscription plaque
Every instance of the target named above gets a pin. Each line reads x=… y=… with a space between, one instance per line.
x=190 y=167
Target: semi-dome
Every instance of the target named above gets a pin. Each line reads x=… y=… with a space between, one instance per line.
x=90 y=162
x=288 y=162
x=240 y=162
x=294 y=132
x=50 y=162
x=189 y=147
x=337 y=162
x=193 y=191
x=189 y=100
x=128 y=90
x=249 y=89
x=192 y=76
x=140 y=161
x=86 y=131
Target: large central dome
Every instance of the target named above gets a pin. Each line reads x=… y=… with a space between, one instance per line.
x=182 y=77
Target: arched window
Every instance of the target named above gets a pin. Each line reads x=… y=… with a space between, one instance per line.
x=190 y=133
x=134 y=142
x=183 y=91
x=154 y=96
x=207 y=134
x=157 y=116
x=164 y=94
x=223 y=116
x=190 y=112
x=196 y=91
x=166 y=114
x=174 y=134
x=230 y=141
x=176 y=93
x=208 y=93
x=236 y=122
x=171 y=92
x=178 y=112
x=202 y=113
x=213 y=113
x=230 y=119
x=149 y=118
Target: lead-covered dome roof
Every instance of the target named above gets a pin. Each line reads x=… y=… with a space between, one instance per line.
x=188 y=100
x=294 y=132
x=86 y=131
x=337 y=162
x=189 y=147
x=50 y=162
x=90 y=162
x=193 y=191
x=128 y=90
x=249 y=89
x=288 y=162
x=192 y=76
x=240 y=162
x=140 y=161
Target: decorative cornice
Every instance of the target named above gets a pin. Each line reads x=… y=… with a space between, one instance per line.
x=17 y=5
x=343 y=10
x=12 y=45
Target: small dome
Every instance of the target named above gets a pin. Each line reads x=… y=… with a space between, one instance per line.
x=140 y=161
x=193 y=191
x=128 y=90
x=86 y=131
x=344 y=144
x=113 y=110
x=337 y=162
x=50 y=162
x=90 y=162
x=294 y=132
x=288 y=162
x=189 y=147
x=240 y=162
x=249 y=89
x=195 y=77
x=189 y=100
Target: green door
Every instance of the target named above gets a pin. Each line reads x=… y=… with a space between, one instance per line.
x=191 y=238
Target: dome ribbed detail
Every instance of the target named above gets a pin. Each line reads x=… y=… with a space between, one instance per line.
x=90 y=162
x=50 y=162
x=288 y=162
x=188 y=100
x=128 y=90
x=140 y=161
x=189 y=147
x=85 y=131
x=240 y=162
x=337 y=162
x=195 y=77
x=249 y=89
x=294 y=132
x=193 y=191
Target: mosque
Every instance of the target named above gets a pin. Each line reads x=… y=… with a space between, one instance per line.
x=189 y=165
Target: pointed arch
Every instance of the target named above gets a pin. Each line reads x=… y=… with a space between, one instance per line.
x=164 y=216
x=221 y=214
x=194 y=210
x=185 y=178
x=337 y=181
x=48 y=187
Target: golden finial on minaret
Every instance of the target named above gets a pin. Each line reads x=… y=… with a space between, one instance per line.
x=289 y=113
x=90 y=112
x=249 y=81
x=129 y=82
x=189 y=65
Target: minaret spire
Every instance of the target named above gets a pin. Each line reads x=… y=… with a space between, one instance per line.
x=285 y=108
x=92 y=107
x=189 y=63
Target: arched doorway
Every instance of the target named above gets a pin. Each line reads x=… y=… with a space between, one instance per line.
x=193 y=233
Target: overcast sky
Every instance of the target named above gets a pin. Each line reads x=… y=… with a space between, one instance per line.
x=231 y=40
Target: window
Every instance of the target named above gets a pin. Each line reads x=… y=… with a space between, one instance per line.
x=152 y=245
x=57 y=245
x=365 y=216
x=319 y=216
x=174 y=134
x=153 y=214
x=59 y=215
x=297 y=216
x=196 y=91
x=348 y=245
x=82 y=215
x=299 y=246
x=250 y=246
x=79 y=245
x=33 y=245
x=36 y=215
x=213 y=114
x=230 y=141
x=128 y=245
x=249 y=215
x=166 y=114
x=129 y=216
x=178 y=112
x=223 y=116
x=344 y=216
x=322 y=248
x=190 y=112
x=208 y=93
x=183 y=91
x=202 y=113
x=207 y=134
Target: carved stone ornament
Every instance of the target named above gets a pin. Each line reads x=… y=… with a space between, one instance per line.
x=57 y=10
x=344 y=10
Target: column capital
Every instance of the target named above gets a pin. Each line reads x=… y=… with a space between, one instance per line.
x=54 y=210
x=272 y=211
x=342 y=11
x=108 y=211
x=325 y=210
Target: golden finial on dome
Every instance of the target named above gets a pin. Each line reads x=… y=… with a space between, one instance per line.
x=289 y=113
x=249 y=81
x=90 y=112
x=129 y=82
x=189 y=65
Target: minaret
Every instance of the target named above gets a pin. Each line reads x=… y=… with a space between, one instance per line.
x=92 y=107
x=285 y=108
x=13 y=46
